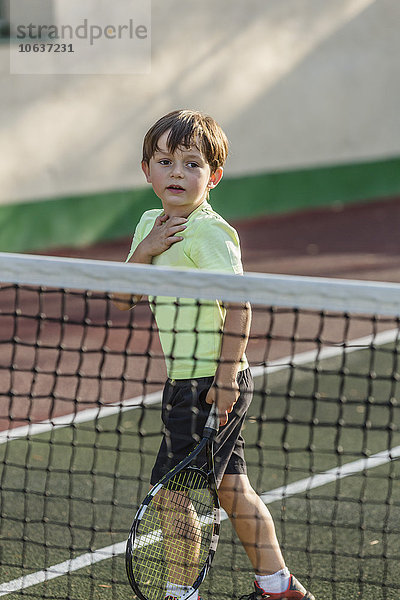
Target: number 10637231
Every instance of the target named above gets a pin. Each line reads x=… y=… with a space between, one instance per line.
x=45 y=48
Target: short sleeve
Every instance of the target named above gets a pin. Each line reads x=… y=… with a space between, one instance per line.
x=137 y=238
x=216 y=247
x=142 y=229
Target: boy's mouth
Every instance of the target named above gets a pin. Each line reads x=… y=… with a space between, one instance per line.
x=175 y=187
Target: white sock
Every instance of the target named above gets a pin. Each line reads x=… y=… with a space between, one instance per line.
x=276 y=583
x=175 y=590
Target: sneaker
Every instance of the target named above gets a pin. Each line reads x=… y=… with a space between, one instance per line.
x=295 y=591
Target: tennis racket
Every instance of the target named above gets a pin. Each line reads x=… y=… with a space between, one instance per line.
x=175 y=532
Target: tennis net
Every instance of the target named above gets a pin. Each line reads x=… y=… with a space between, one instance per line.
x=80 y=394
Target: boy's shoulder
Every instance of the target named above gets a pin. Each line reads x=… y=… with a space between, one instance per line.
x=151 y=215
x=146 y=221
x=208 y=217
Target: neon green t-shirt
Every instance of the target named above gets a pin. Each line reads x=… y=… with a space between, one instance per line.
x=190 y=332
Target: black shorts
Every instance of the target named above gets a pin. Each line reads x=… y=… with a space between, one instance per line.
x=184 y=413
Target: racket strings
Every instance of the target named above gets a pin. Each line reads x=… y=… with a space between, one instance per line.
x=173 y=537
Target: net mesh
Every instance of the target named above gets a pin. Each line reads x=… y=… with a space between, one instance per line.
x=80 y=393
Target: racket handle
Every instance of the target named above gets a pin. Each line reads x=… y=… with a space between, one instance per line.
x=212 y=423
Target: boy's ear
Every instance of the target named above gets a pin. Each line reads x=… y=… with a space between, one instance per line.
x=146 y=170
x=215 y=178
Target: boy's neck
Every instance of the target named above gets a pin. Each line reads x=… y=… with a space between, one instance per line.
x=183 y=211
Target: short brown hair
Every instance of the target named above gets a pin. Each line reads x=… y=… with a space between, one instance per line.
x=188 y=127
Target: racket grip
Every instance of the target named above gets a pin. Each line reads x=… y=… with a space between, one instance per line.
x=212 y=423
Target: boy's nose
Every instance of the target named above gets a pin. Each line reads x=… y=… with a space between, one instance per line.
x=177 y=170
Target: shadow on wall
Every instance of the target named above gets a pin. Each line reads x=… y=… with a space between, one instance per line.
x=330 y=100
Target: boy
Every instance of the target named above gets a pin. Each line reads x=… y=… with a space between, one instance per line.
x=183 y=157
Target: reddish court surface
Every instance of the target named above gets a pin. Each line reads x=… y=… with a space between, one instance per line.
x=54 y=377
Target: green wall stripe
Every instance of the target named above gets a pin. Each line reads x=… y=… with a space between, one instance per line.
x=307 y=188
x=83 y=220
x=71 y=221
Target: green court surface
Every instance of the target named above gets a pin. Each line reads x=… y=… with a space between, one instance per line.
x=76 y=489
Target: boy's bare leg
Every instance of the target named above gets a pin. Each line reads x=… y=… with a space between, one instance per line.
x=252 y=522
x=181 y=530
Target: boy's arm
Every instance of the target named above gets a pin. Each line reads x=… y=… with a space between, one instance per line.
x=127 y=301
x=160 y=238
x=225 y=389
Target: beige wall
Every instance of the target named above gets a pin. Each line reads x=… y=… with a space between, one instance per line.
x=294 y=83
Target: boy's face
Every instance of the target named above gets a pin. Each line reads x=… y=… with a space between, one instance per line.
x=182 y=179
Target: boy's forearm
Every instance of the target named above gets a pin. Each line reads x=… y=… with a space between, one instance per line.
x=141 y=255
x=234 y=341
x=128 y=301
x=225 y=390
x=160 y=238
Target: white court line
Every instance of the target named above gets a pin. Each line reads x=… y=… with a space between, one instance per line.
x=332 y=475
x=384 y=337
x=68 y=566
x=91 y=558
x=83 y=416
x=286 y=362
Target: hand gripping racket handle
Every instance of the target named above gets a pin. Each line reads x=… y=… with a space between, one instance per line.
x=212 y=424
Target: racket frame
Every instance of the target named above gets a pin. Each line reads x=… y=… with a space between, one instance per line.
x=209 y=432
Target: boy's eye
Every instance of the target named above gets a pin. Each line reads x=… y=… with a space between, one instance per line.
x=192 y=165
x=164 y=161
